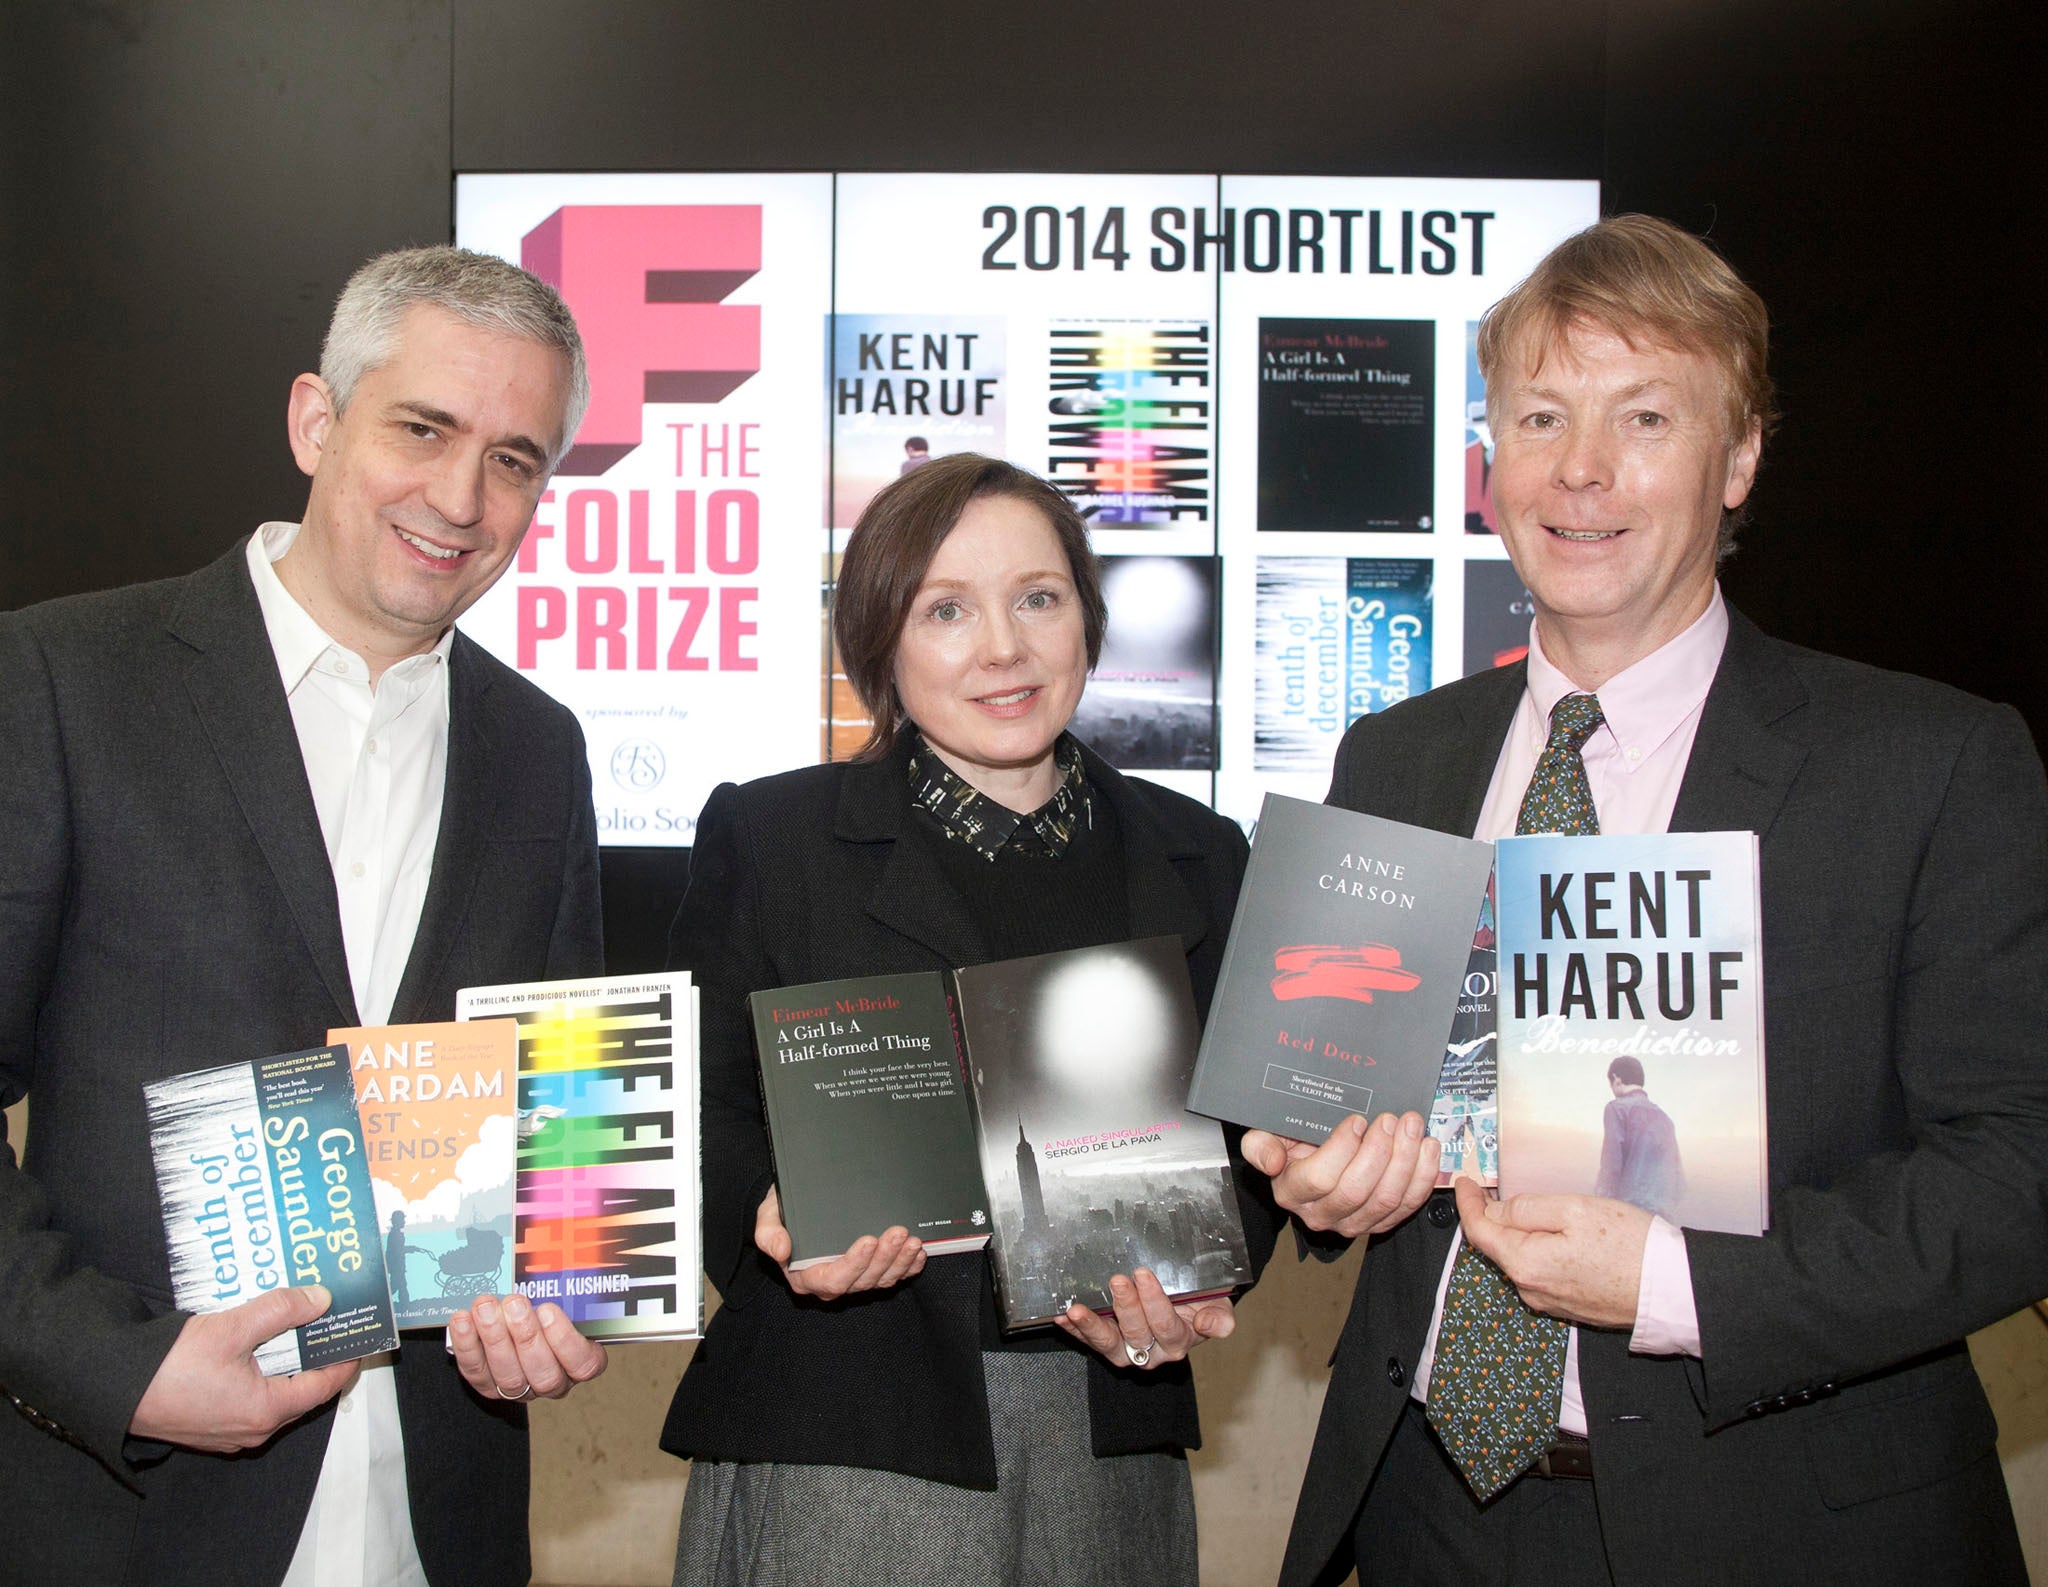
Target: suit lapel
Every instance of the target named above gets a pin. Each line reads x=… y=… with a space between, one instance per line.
x=234 y=688
x=468 y=806
x=912 y=896
x=1741 y=767
x=1159 y=901
x=1450 y=786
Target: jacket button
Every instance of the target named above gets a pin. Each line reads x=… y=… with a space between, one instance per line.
x=1396 y=1373
x=1442 y=1213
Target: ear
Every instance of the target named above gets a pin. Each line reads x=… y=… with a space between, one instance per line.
x=308 y=417
x=1742 y=461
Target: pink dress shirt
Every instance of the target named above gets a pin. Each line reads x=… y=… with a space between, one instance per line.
x=1635 y=761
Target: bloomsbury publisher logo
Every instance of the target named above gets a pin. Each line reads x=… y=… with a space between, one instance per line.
x=646 y=283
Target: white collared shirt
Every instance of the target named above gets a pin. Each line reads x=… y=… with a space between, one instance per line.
x=377 y=762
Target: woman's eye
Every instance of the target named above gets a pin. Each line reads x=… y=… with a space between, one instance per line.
x=1040 y=600
x=947 y=611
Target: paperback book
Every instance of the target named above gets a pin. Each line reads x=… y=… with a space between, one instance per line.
x=1346 y=960
x=436 y=1103
x=868 y=1114
x=1631 y=1024
x=1080 y=1064
x=264 y=1186
x=606 y=1219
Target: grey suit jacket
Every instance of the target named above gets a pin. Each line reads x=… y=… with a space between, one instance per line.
x=166 y=903
x=1833 y=1429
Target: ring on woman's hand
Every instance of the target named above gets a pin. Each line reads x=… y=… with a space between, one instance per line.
x=522 y=1394
x=1138 y=1355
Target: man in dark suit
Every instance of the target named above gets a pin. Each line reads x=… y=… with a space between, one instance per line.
x=238 y=808
x=1795 y=1406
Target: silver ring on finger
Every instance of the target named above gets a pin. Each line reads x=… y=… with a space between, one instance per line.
x=524 y=1394
x=1140 y=1355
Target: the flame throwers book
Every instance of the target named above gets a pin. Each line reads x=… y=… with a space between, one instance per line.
x=1076 y=1160
x=264 y=1186
x=868 y=1114
x=606 y=1220
x=437 y=1109
x=1346 y=961
x=1080 y=1064
x=1631 y=1024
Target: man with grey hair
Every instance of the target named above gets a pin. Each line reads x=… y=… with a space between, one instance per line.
x=238 y=809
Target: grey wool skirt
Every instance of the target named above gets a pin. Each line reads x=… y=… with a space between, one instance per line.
x=1059 y=1517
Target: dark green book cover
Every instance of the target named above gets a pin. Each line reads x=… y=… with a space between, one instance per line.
x=264 y=1186
x=1349 y=949
x=868 y=1114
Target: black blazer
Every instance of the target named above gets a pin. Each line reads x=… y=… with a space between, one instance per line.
x=1833 y=1429
x=801 y=878
x=166 y=903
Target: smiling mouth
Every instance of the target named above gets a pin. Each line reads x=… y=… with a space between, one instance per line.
x=1014 y=697
x=1583 y=535
x=438 y=553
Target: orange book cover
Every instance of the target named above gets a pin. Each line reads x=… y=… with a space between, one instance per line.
x=437 y=1104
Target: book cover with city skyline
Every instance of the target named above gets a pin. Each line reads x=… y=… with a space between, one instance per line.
x=1080 y=1064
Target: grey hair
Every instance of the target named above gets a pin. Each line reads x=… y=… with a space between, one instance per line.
x=477 y=288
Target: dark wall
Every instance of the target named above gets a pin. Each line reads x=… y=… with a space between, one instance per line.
x=183 y=189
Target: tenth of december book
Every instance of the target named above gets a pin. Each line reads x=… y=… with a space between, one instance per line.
x=1631 y=1024
x=868 y=1114
x=1080 y=1063
x=260 y=1170
x=607 y=1223
x=1346 y=959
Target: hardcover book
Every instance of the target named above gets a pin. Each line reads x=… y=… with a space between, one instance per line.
x=1344 y=968
x=1344 y=424
x=1080 y=1065
x=606 y=1218
x=1631 y=1024
x=437 y=1108
x=868 y=1114
x=261 y=1174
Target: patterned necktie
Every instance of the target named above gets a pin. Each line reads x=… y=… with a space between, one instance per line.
x=1498 y=1380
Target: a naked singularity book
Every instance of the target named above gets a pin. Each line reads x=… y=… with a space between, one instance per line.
x=1342 y=975
x=1080 y=1063
x=261 y=1174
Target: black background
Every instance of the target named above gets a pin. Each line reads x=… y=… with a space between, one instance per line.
x=185 y=186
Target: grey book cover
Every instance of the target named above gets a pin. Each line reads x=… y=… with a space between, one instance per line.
x=1343 y=972
x=868 y=1114
x=1080 y=1062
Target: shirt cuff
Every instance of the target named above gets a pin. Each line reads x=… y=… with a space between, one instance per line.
x=1667 y=1320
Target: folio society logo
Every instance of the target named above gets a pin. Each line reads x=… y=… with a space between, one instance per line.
x=638 y=765
x=645 y=282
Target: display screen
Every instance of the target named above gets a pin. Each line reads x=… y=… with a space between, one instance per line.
x=1260 y=392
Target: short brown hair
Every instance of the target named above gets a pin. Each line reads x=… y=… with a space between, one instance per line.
x=891 y=550
x=1650 y=283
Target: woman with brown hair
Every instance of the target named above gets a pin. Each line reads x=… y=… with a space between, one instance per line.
x=864 y=1420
